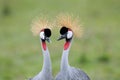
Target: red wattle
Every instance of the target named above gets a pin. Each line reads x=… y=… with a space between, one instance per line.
x=44 y=45
x=66 y=45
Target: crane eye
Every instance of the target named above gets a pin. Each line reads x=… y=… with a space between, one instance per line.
x=47 y=32
x=63 y=30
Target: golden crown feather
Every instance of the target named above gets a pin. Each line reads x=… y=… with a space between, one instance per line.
x=39 y=24
x=69 y=21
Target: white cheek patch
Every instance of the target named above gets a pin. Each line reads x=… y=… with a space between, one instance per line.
x=69 y=34
x=42 y=36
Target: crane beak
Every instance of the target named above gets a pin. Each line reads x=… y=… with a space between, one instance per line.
x=61 y=37
x=48 y=39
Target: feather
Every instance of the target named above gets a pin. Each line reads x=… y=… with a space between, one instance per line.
x=68 y=21
x=77 y=74
x=39 y=24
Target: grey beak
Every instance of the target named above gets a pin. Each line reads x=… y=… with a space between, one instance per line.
x=61 y=37
x=48 y=39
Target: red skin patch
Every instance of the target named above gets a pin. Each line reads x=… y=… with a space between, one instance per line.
x=66 y=45
x=44 y=45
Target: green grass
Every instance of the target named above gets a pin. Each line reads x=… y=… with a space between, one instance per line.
x=20 y=52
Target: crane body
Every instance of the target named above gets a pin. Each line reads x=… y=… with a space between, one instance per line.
x=66 y=71
x=41 y=28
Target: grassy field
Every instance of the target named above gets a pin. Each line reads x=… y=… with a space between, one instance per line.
x=97 y=52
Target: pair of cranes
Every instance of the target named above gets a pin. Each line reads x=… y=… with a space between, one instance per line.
x=69 y=27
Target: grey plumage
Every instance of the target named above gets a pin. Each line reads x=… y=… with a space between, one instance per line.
x=46 y=72
x=67 y=72
x=72 y=74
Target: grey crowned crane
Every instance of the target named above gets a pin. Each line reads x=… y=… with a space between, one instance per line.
x=69 y=28
x=41 y=28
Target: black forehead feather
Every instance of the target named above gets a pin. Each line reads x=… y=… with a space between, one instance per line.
x=47 y=32
x=63 y=30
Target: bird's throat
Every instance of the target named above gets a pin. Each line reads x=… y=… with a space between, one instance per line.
x=44 y=45
x=66 y=45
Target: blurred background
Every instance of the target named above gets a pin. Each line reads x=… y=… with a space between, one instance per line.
x=97 y=52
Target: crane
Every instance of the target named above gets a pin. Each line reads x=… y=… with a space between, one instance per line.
x=41 y=28
x=69 y=28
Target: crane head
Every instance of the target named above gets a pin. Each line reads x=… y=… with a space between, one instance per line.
x=45 y=34
x=66 y=33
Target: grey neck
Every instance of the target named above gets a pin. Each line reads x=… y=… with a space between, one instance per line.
x=46 y=61
x=64 y=60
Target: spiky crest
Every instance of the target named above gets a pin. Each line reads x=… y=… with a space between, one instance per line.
x=68 y=21
x=39 y=24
